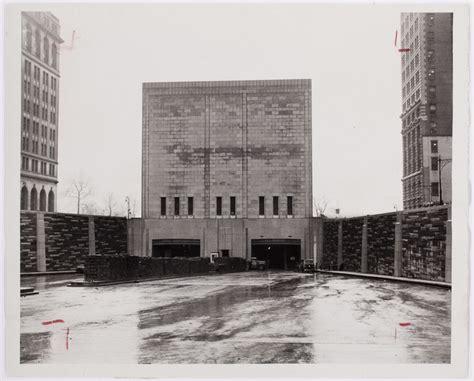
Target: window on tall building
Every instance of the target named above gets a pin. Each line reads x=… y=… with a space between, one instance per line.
x=176 y=206
x=432 y=108
x=190 y=206
x=232 y=206
x=275 y=205
x=417 y=77
x=418 y=94
x=416 y=24
x=163 y=206
x=417 y=42
x=434 y=146
x=54 y=53
x=46 y=50
x=434 y=163
x=219 y=206
x=435 y=189
x=37 y=43
x=433 y=126
x=289 y=205
x=261 y=206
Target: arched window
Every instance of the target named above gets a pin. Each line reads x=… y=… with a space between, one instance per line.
x=29 y=37
x=51 y=201
x=34 y=199
x=46 y=50
x=54 y=53
x=37 y=43
x=43 y=200
x=24 y=198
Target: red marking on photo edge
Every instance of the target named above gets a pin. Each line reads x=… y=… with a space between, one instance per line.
x=404 y=324
x=396 y=35
x=404 y=50
x=52 y=322
x=67 y=339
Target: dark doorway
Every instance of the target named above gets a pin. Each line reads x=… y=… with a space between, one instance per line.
x=176 y=248
x=283 y=254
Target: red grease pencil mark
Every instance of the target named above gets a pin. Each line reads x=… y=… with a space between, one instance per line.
x=67 y=339
x=396 y=35
x=53 y=322
x=404 y=324
x=404 y=50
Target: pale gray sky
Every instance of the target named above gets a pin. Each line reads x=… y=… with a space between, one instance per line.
x=347 y=51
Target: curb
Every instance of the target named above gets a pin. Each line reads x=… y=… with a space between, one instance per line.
x=49 y=273
x=388 y=277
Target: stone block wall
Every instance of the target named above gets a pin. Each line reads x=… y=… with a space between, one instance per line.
x=27 y=242
x=351 y=244
x=330 y=244
x=110 y=235
x=66 y=239
x=424 y=244
x=381 y=243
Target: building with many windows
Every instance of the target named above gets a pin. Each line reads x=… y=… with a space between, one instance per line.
x=427 y=97
x=39 y=114
x=226 y=169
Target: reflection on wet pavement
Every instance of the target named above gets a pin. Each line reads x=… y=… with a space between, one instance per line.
x=252 y=317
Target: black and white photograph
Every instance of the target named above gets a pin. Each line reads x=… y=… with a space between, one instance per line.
x=236 y=184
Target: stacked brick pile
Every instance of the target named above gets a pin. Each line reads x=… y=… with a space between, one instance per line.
x=351 y=244
x=381 y=243
x=28 y=242
x=330 y=231
x=232 y=264
x=424 y=249
x=67 y=240
x=122 y=267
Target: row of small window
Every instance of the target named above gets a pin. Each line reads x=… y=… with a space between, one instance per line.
x=35 y=111
x=36 y=93
x=37 y=76
x=25 y=165
x=25 y=146
x=46 y=49
x=406 y=23
x=44 y=129
x=232 y=211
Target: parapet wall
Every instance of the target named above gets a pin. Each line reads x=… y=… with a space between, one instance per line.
x=412 y=243
x=61 y=241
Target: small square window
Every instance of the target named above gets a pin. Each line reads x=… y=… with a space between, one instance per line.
x=232 y=206
x=219 y=206
x=190 y=206
x=289 y=205
x=434 y=146
x=261 y=206
x=275 y=206
x=435 y=189
x=176 y=206
x=434 y=163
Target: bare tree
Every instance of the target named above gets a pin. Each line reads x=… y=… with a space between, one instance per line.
x=90 y=208
x=110 y=204
x=319 y=207
x=79 y=190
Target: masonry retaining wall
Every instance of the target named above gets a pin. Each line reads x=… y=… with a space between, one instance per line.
x=413 y=243
x=61 y=241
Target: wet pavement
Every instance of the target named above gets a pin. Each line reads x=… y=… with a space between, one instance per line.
x=251 y=317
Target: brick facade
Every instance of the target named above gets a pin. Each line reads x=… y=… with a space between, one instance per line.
x=242 y=139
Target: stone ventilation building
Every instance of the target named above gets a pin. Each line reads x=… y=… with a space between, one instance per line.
x=226 y=169
x=427 y=117
x=39 y=112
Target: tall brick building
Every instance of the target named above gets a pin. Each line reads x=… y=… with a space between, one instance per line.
x=226 y=169
x=39 y=114
x=427 y=119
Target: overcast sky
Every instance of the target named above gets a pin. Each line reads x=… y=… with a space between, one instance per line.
x=347 y=51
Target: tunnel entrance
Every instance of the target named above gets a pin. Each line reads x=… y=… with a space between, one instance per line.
x=283 y=254
x=176 y=248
